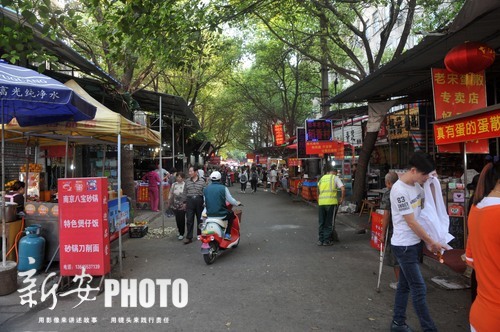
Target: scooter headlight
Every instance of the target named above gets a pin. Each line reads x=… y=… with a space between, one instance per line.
x=212 y=238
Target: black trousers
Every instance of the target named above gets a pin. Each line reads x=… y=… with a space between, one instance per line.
x=254 y=184
x=230 y=218
x=180 y=220
x=194 y=208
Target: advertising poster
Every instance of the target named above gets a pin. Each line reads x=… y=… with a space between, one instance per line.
x=118 y=220
x=83 y=226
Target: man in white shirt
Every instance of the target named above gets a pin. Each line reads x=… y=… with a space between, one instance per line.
x=407 y=200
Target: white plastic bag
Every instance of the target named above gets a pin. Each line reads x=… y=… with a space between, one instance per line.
x=433 y=217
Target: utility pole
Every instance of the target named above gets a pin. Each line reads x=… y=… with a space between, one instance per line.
x=325 y=108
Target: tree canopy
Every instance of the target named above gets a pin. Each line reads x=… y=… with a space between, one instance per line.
x=240 y=64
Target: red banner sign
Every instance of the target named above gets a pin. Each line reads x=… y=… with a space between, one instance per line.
x=215 y=160
x=320 y=148
x=294 y=162
x=279 y=134
x=83 y=226
x=482 y=126
x=455 y=94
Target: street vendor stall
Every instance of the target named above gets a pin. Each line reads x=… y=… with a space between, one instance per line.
x=481 y=124
x=31 y=98
x=107 y=127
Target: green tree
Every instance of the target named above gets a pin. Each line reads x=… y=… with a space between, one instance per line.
x=350 y=37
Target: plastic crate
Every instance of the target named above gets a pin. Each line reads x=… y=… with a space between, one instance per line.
x=138 y=231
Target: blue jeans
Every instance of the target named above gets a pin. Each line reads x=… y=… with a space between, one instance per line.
x=411 y=281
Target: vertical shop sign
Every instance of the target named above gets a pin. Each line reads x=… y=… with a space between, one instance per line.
x=278 y=134
x=83 y=226
x=301 y=143
x=456 y=94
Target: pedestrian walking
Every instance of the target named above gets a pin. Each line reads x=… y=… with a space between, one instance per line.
x=387 y=228
x=243 y=180
x=406 y=199
x=254 y=179
x=154 y=181
x=194 y=191
x=264 y=178
x=483 y=249
x=328 y=202
x=177 y=201
x=273 y=178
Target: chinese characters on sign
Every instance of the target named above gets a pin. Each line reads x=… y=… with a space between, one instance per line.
x=83 y=226
x=320 y=148
x=482 y=126
x=279 y=134
x=319 y=130
x=294 y=162
x=30 y=94
x=456 y=94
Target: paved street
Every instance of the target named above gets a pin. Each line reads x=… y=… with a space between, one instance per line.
x=276 y=280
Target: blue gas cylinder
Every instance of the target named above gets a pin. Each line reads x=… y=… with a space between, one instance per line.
x=31 y=249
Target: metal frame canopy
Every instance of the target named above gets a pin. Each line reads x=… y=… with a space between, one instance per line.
x=150 y=101
x=409 y=74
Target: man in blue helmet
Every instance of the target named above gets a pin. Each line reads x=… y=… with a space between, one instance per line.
x=216 y=195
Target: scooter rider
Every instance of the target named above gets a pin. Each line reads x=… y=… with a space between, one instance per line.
x=216 y=194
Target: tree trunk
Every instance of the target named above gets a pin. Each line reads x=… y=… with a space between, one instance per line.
x=362 y=167
x=376 y=115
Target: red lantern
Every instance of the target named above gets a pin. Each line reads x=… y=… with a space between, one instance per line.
x=470 y=57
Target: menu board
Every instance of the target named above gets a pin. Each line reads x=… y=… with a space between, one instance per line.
x=83 y=226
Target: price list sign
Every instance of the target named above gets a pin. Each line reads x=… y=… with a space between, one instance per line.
x=319 y=130
x=83 y=226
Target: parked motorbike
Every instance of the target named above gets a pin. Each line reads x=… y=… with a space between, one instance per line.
x=212 y=236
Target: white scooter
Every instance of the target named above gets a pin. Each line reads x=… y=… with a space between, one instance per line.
x=212 y=237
